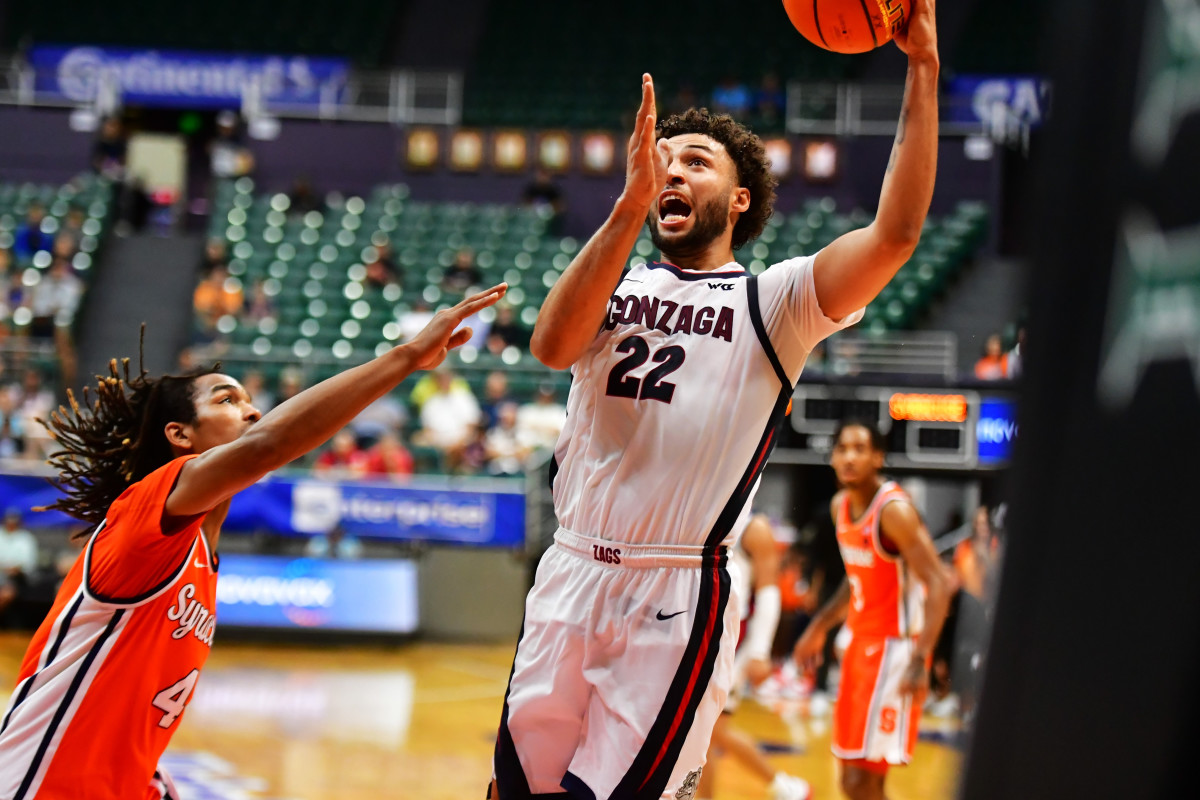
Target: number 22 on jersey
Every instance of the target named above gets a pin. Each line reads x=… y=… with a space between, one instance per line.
x=652 y=386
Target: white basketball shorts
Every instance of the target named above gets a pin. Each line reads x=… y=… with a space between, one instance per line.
x=623 y=666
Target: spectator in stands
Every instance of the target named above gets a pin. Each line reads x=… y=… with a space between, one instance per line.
x=545 y=195
x=415 y=319
x=72 y=227
x=18 y=558
x=215 y=255
x=539 y=423
x=507 y=448
x=388 y=458
x=770 y=102
x=974 y=557
x=505 y=331
x=291 y=383
x=993 y=365
x=386 y=416
x=33 y=401
x=731 y=97
x=54 y=300
x=343 y=459
x=261 y=306
x=12 y=427
x=256 y=386
x=302 y=199
x=495 y=392
x=382 y=270
x=30 y=237
x=474 y=456
x=216 y=295
x=337 y=544
x=109 y=150
x=462 y=274
x=10 y=286
x=1016 y=356
x=447 y=415
x=230 y=158
x=682 y=100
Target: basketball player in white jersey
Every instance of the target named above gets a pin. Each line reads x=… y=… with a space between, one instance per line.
x=683 y=371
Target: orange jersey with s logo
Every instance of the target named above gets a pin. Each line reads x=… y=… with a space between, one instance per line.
x=885 y=600
x=111 y=669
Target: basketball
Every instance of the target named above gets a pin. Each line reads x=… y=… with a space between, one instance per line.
x=848 y=26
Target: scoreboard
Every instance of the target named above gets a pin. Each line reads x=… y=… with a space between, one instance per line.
x=943 y=428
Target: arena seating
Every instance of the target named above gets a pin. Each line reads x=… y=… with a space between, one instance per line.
x=328 y=319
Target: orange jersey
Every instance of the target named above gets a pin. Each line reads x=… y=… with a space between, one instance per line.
x=885 y=600
x=112 y=667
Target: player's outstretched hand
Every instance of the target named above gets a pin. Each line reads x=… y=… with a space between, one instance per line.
x=916 y=678
x=919 y=37
x=442 y=334
x=646 y=166
x=810 y=650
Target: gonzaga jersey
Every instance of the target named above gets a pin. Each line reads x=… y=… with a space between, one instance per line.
x=112 y=667
x=885 y=600
x=674 y=408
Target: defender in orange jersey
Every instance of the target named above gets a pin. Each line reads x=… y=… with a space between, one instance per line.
x=151 y=465
x=894 y=599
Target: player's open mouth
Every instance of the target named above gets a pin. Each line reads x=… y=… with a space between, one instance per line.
x=673 y=209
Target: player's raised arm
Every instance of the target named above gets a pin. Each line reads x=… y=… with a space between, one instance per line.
x=903 y=526
x=574 y=309
x=852 y=270
x=313 y=416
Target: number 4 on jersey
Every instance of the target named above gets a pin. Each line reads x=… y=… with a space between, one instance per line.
x=173 y=699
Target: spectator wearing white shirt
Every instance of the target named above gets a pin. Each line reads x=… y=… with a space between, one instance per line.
x=539 y=423
x=447 y=415
x=18 y=558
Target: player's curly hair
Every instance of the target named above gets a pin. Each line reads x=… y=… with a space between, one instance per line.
x=110 y=442
x=749 y=156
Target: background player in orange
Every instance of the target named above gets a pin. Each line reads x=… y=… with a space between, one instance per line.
x=754 y=561
x=152 y=465
x=894 y=599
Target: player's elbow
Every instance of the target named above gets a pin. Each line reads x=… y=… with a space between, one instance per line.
x=550 y=350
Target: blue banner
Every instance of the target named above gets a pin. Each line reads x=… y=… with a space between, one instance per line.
x=378 y=595
x=181 y=78
x=996 y=430
x=977 y=98
x=488 y=513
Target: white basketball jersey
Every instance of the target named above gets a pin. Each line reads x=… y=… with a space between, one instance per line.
x=675 y=407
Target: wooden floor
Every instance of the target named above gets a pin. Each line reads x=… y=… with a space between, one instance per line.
x=412 y=721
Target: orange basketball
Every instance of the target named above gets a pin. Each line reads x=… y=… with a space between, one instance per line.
x=848 y=26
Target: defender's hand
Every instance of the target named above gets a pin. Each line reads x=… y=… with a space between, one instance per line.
x=757 y=671
x=918 y=39
x=916 y=678
x=810 y=650
x=646 y=166
x=439 y=337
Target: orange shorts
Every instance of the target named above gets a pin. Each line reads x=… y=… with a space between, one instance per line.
x=873 y=721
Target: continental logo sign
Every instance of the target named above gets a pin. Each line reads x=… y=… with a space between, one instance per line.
x=928 y=407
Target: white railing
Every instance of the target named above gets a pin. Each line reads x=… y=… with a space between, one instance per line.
x=901 y=353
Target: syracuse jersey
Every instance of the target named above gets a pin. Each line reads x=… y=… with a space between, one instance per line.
x=885 y=600
x=112 y=667
x=674 y=408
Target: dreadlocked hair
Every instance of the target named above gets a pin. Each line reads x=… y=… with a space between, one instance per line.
x=116 y=439
x=749 y=156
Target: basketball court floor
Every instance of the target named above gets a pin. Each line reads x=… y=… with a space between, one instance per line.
x=417 y=720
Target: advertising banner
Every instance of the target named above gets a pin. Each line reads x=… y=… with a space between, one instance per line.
x=185 y=79
x=368 y=595
x=484 y=513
